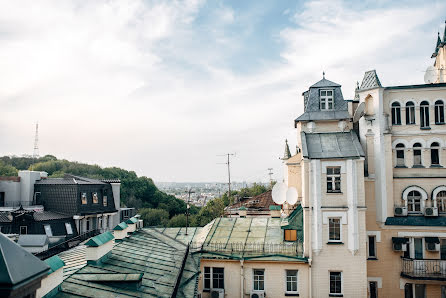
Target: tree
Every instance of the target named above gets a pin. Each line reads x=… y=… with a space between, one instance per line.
x=178 y=221
x=154 y=217
x=7 y=170
x=213 y=209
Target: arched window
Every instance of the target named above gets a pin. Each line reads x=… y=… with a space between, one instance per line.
x=417 y=154
x=441 y=201
x=410 y=113
x=424 y=114
x=400 y=155
x=414 y=201
x=435 y=153
x=439 y=112
x=396 y=113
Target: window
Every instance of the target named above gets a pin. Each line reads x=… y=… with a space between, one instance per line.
x=333 y=179
x=435 y=153
x=23 y=230
x=327 y=100
x=95 y=198
x=2 y=199
x=48 y=231
x=373 y=289
x=418 y=248
x=410 y=113
x=104 y=200
x=418 y=289
x=207 y=278
x=291 y=281
x=218 y=278
x=443 y=249
x=414 y=201
x=105 y=222
x=372 y=247
x=290 y=235
x=335 y=282
x=88 y=224
x=417 y=154
x=441 y=201
x=84 y=198
x=439 y=112
x=69 y=228
x=424 y=114
x=396 y=113
x=400 y=155
x=259 y=279
x=334 y=229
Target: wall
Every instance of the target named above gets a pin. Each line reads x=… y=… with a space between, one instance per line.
x=27 y=180
x=50 y=282
x=11 y=188
x=95 y=253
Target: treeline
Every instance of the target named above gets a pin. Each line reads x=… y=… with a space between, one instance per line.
x=137 y=192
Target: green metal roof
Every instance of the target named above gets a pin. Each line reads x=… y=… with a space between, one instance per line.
x=242 y=208
x=120 y=227
x=100 y=239
x=275 y=207
x=131 y=221
x=55 y=263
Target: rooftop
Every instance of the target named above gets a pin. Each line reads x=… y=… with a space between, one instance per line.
x=331 y=145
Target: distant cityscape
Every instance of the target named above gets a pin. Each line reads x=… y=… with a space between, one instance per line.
x=201 y=192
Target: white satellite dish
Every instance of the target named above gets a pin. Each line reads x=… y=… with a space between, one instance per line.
x=279 y=193
x=431 y=75
x=291 y=196
x=359 y=112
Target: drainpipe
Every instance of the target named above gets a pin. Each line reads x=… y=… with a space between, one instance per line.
x=242 y=280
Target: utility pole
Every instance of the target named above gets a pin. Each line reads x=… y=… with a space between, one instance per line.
x=187 y=207
x=270 y=173
x=229 y=173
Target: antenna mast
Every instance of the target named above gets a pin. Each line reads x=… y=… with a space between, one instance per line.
x=36 y=145
x=270 y=173
x=229 y=173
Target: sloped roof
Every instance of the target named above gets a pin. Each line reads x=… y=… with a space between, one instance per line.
x=121 y=226
x=49 y=215
x=17 y=265
x=325 y=83
x=331 y=145
x=260 y=202
x=323 y=115
x=32 y=240
x=70 y=180
x=55 y=263
x=131 y=221
x=370 y=80
x=100 y=239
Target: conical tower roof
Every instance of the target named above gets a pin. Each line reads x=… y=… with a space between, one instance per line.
x=287 y=153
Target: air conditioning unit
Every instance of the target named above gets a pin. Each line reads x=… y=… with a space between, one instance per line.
x=257 y=294
x=400 y=211
x=217 y=293
x=431 y=211
x=430 y=246
x=399 y=246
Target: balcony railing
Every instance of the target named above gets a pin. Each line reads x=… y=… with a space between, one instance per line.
x=72 y=242
x=426 y=269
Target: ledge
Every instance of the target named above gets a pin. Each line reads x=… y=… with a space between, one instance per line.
x=334 y=192
x=335 y=243
x=425 y=128
x=418 y=166
x=436 y=166
x=335 y=295
x=372 y=259
x=400 y=167
x=292 y=294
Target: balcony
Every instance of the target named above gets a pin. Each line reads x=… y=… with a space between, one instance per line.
x=426 y=269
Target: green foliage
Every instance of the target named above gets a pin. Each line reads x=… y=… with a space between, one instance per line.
x=7 y=170
x=213 y=209
x=154 y=217
x=178 y=221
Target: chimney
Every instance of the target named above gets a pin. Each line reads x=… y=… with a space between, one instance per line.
x=99 y=247
x=242 y=211
x=131 y=222
x=120 y=231
x=50 y=285
x=274 y=210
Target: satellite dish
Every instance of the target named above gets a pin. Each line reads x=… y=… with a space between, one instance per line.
x=359 y=112
x=291 y=196
x=279 y=193
x=431 y=75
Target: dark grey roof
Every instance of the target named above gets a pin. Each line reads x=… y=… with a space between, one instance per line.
x=49 y=215
x=370 y=80
x=323 y=115
x=439 y=221
x=331 y=145
x=69 y=180
x=17 y=265
x=4 y=216
x=439 y=85
x=32 y=240
x=324 y=83
x=111 y=180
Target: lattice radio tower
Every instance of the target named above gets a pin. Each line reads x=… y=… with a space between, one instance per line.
x=36 y=146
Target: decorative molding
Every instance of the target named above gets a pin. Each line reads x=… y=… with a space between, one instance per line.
x=418 y=140
x=421 y=234
x=403 y=141
x=352 y=202
x=316 y=196
x=326 y=164
x=378 y=280
x=330 y=214
x=377 y=235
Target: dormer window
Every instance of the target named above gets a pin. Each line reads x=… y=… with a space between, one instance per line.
x=326 y=100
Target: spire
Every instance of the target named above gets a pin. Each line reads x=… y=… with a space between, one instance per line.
x=297 y=149
x=323 y=74
x=444 y=34
x=287 y=153
x=357 y=92
x=437 y=46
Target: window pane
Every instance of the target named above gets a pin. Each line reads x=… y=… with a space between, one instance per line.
x=420 y=291
x=291 y=280
x=48 y=231
x=373 y=289
x=334 y=229
x=418 y=248
x=335 y=283
x=372 y=246
x=68 y=228
x=435 y=160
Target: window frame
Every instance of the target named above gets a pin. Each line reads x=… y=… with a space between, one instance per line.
x=417 y=153
x=26 y=230
x=104 y=201
x=67 y=224
x=440 y=197
x=326 y=100
x=335 y=294
x=412 y=203
x=435 y=146
x=439 y=112
x=410 y=113
x=424 y=115
x=396 y=113
x=291 y=281
x=258 y=279
x=376 y=288
x=290 y=232
x=219 y=278
x=48 y=230
x=84 y=199
x=94 y=198
x=330 y=221
x=331 y=179
x=369 y=256
x=400 y=161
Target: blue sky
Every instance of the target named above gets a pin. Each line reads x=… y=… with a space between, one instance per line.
x=163 y=87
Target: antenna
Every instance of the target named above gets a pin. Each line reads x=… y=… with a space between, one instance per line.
x=431 y=75
x=188 y=207
x=36 y=146
x=270 y=173
x=229 y=173
x=359 y=112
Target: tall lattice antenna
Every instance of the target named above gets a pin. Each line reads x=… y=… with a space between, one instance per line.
x=36 y=146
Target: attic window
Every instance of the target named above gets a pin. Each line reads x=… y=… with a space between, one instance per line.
x=326 y=100
x=290 y=235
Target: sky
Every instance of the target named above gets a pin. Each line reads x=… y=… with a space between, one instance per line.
x=164 y=88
